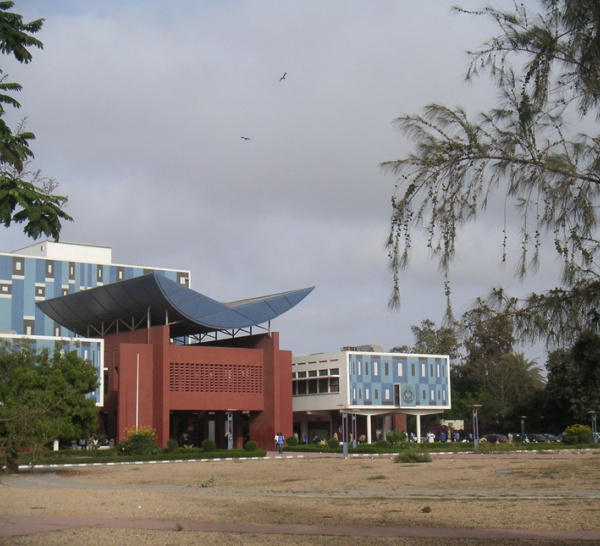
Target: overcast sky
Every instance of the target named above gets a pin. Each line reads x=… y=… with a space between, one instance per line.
x=139 y=107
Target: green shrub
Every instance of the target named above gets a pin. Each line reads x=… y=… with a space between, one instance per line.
x=251 y=446
x=333 y=443
x=395 y=436
x=292 y=441
x=578 y=434
x=413 y=457
x=172 y=445
x=139 y=442
x=383 y=444
x=208 y=445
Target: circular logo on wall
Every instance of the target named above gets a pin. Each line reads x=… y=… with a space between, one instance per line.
x=408 y=395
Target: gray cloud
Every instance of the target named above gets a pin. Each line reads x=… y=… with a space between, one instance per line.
x=139 y=107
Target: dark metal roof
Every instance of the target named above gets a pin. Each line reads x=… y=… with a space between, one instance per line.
x=155 y=300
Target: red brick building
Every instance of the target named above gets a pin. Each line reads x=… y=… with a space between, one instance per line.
x=184 y=364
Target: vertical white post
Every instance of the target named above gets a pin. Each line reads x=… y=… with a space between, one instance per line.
x=418 y=428
x=137 y=392
x=368 y=429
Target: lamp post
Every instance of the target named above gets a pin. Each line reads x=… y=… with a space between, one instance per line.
x=475 y=407
x=523 y=417
x=594 y=415
x=345 y=433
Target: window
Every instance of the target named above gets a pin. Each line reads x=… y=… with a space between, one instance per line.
x=312 y=373
x=301 y=387
x=376 y=394
x=334 y=384
x=412 y=369
x=386 y=368
x=375 y=368
x=366 y=394
x=323 y=386
x=423 y=370
x=366 y=368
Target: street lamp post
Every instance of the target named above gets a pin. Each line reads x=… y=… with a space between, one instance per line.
x=523 y=417
x=345 y=433
x=594 y=415
x=475 y=407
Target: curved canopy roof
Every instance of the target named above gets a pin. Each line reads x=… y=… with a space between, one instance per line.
x=155 y=300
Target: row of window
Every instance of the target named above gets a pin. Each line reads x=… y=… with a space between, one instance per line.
x=435 y=370
x=316 y=373
x=19 y=271
x=325 y=385
x=435 y=397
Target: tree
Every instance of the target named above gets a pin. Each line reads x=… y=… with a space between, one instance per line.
x=42 y=398
x=432 y=340
x=528 y=151
x=574 y=381
x=23 y=199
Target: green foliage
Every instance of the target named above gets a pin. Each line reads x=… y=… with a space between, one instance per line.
x=291 y=441
x=382 y=444
x=208 y=445
x=573 y=386
x=139 y=442
x=250 y=446
x=527 y=153
x=172 y=445
x=25 y=197
x=413 y=457
x=395 y=436
x=432 y=340
x=333 y=443
x=578 y=434
x=43 y=398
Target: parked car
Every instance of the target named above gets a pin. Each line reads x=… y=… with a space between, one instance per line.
x=540 y=438
x=495 y=438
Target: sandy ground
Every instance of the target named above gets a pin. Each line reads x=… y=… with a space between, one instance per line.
x=544 y=491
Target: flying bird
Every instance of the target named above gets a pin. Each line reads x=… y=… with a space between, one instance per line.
x=283 y=77
x=245 y=138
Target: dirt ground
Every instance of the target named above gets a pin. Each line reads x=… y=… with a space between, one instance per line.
x=546 y=491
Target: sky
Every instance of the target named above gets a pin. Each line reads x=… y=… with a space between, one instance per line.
x=139 y=107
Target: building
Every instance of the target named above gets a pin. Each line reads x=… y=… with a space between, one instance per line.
x=374 y=390
x=167 y=357
x=48 y=270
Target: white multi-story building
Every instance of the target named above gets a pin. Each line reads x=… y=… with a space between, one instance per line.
x=375 y=388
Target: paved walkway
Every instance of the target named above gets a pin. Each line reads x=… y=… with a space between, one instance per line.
x=11 y=526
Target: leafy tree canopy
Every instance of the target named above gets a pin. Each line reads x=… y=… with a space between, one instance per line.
x=24 y=198
x=432 y=340
x=530 y=151
x=43 y=397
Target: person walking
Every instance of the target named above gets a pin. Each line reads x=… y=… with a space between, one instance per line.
x=280 y=441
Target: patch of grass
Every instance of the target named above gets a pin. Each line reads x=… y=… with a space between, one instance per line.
x=379 y=477
x=413 y=457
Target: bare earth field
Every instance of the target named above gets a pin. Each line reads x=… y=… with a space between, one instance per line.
x=299 y=500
